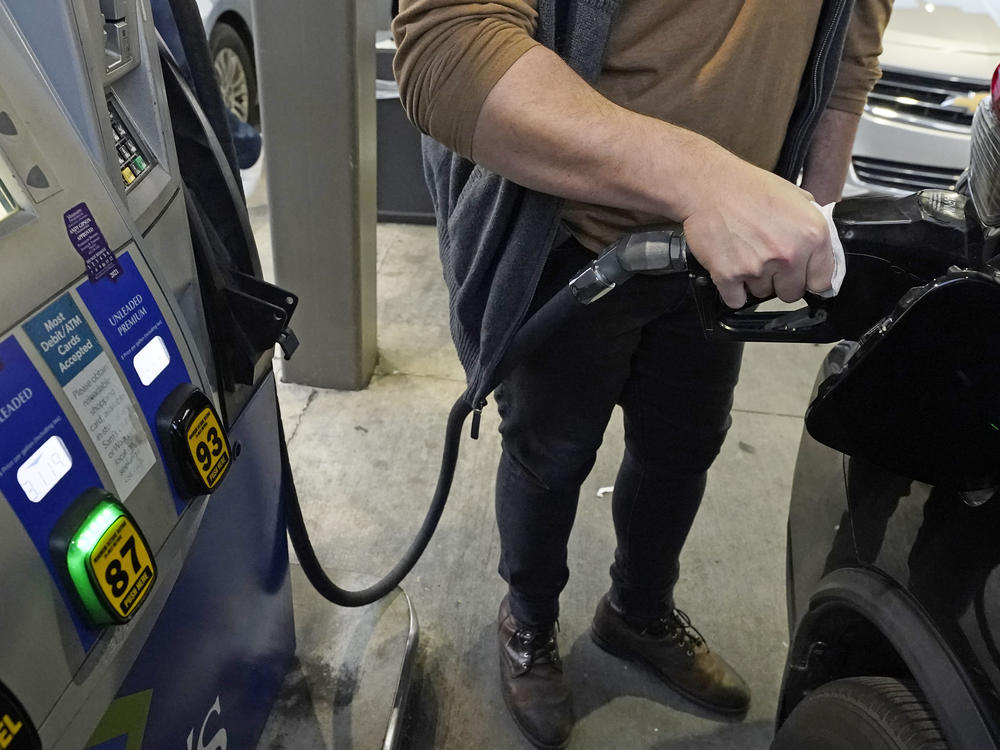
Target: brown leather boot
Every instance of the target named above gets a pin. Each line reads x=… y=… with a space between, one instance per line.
x=531 y=680
x=675 y=650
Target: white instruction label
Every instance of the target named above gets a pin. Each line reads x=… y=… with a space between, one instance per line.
x=103 y=404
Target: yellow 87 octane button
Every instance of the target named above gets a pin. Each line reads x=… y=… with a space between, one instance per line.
x=122 y=567
x=104 y=557
x=194 y=441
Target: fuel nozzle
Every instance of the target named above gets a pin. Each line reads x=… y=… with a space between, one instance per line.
x=658 y=251
x=891 y=245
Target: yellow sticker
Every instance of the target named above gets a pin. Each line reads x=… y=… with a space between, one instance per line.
x=209 y=447
x=123 y=567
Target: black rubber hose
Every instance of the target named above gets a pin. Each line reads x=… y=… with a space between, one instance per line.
x=536 y=331
x=311 y=565
x=206 y=86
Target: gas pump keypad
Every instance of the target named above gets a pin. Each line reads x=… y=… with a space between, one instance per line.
x=131 y=159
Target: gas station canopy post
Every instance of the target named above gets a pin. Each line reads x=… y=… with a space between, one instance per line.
x=316 y=70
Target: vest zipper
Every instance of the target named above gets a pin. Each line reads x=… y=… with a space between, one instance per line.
x=822 y=53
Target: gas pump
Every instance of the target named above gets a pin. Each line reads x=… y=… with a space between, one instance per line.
x=146 y=592
x=146 y=596
x=100 y=57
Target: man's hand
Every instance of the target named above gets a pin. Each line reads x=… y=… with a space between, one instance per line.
x=756 y=232
x=769 y=239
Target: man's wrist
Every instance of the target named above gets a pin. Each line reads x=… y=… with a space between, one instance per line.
x=829 y=157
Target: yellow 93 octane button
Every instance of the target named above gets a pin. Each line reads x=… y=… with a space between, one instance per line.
x=209 y=447
x=194 y=441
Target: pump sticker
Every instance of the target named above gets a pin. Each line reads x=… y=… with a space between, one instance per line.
x=122 y=567
x=89 y=242
x=43 y=465
x=208 y=446
x=71 y=350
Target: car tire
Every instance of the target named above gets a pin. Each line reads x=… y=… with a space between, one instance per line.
x=234 y=70
x=874 y=713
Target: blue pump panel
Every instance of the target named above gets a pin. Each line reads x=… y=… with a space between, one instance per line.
x=212 y=666
x=43 y=465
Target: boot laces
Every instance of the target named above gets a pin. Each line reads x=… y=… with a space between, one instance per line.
x=537 y=647
x=676 y=626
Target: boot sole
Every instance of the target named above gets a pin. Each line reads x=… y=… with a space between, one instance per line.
x=528 y=736
x=679 y=689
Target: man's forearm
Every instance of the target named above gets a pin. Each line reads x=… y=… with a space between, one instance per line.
x=830 y=155
x=542 y=126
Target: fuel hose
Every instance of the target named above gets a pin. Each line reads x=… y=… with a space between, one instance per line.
x=538 y=329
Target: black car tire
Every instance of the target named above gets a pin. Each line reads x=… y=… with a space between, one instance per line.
x=234 y=69
x=873 y=713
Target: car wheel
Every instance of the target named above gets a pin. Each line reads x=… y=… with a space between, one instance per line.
x=875 y=713
x=235 y=72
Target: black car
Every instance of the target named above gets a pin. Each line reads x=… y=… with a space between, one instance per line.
x=894 y=527
x=894 y=606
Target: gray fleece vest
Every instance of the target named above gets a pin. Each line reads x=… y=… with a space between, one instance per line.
x=494 y=235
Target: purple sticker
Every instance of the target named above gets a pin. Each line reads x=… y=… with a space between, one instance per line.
x=90 y=243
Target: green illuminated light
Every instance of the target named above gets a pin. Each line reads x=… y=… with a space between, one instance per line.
x=94 y=528
x=80 y=547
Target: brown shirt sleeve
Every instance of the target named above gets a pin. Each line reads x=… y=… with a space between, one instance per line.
x=859 y=68
x=450 y=54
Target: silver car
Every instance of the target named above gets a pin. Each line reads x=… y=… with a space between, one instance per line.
x=937 y=64
x=229 y=27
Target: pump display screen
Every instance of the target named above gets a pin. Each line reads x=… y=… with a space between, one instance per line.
x=44 y=469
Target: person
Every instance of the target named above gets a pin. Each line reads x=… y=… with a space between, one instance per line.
x=552 y=128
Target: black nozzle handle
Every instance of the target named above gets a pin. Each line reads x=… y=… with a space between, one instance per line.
x=810 y=323
x=664 y=251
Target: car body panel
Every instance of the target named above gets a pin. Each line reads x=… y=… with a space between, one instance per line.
x=944 y=553
x=212 y=10
x=938 y=552
x=819 y=526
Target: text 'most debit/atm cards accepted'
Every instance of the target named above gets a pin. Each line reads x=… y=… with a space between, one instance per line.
x=69 y=347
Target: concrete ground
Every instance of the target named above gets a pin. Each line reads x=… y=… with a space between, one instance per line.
x=366 y=464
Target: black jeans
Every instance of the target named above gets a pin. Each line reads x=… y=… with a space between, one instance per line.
x=641 y=347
